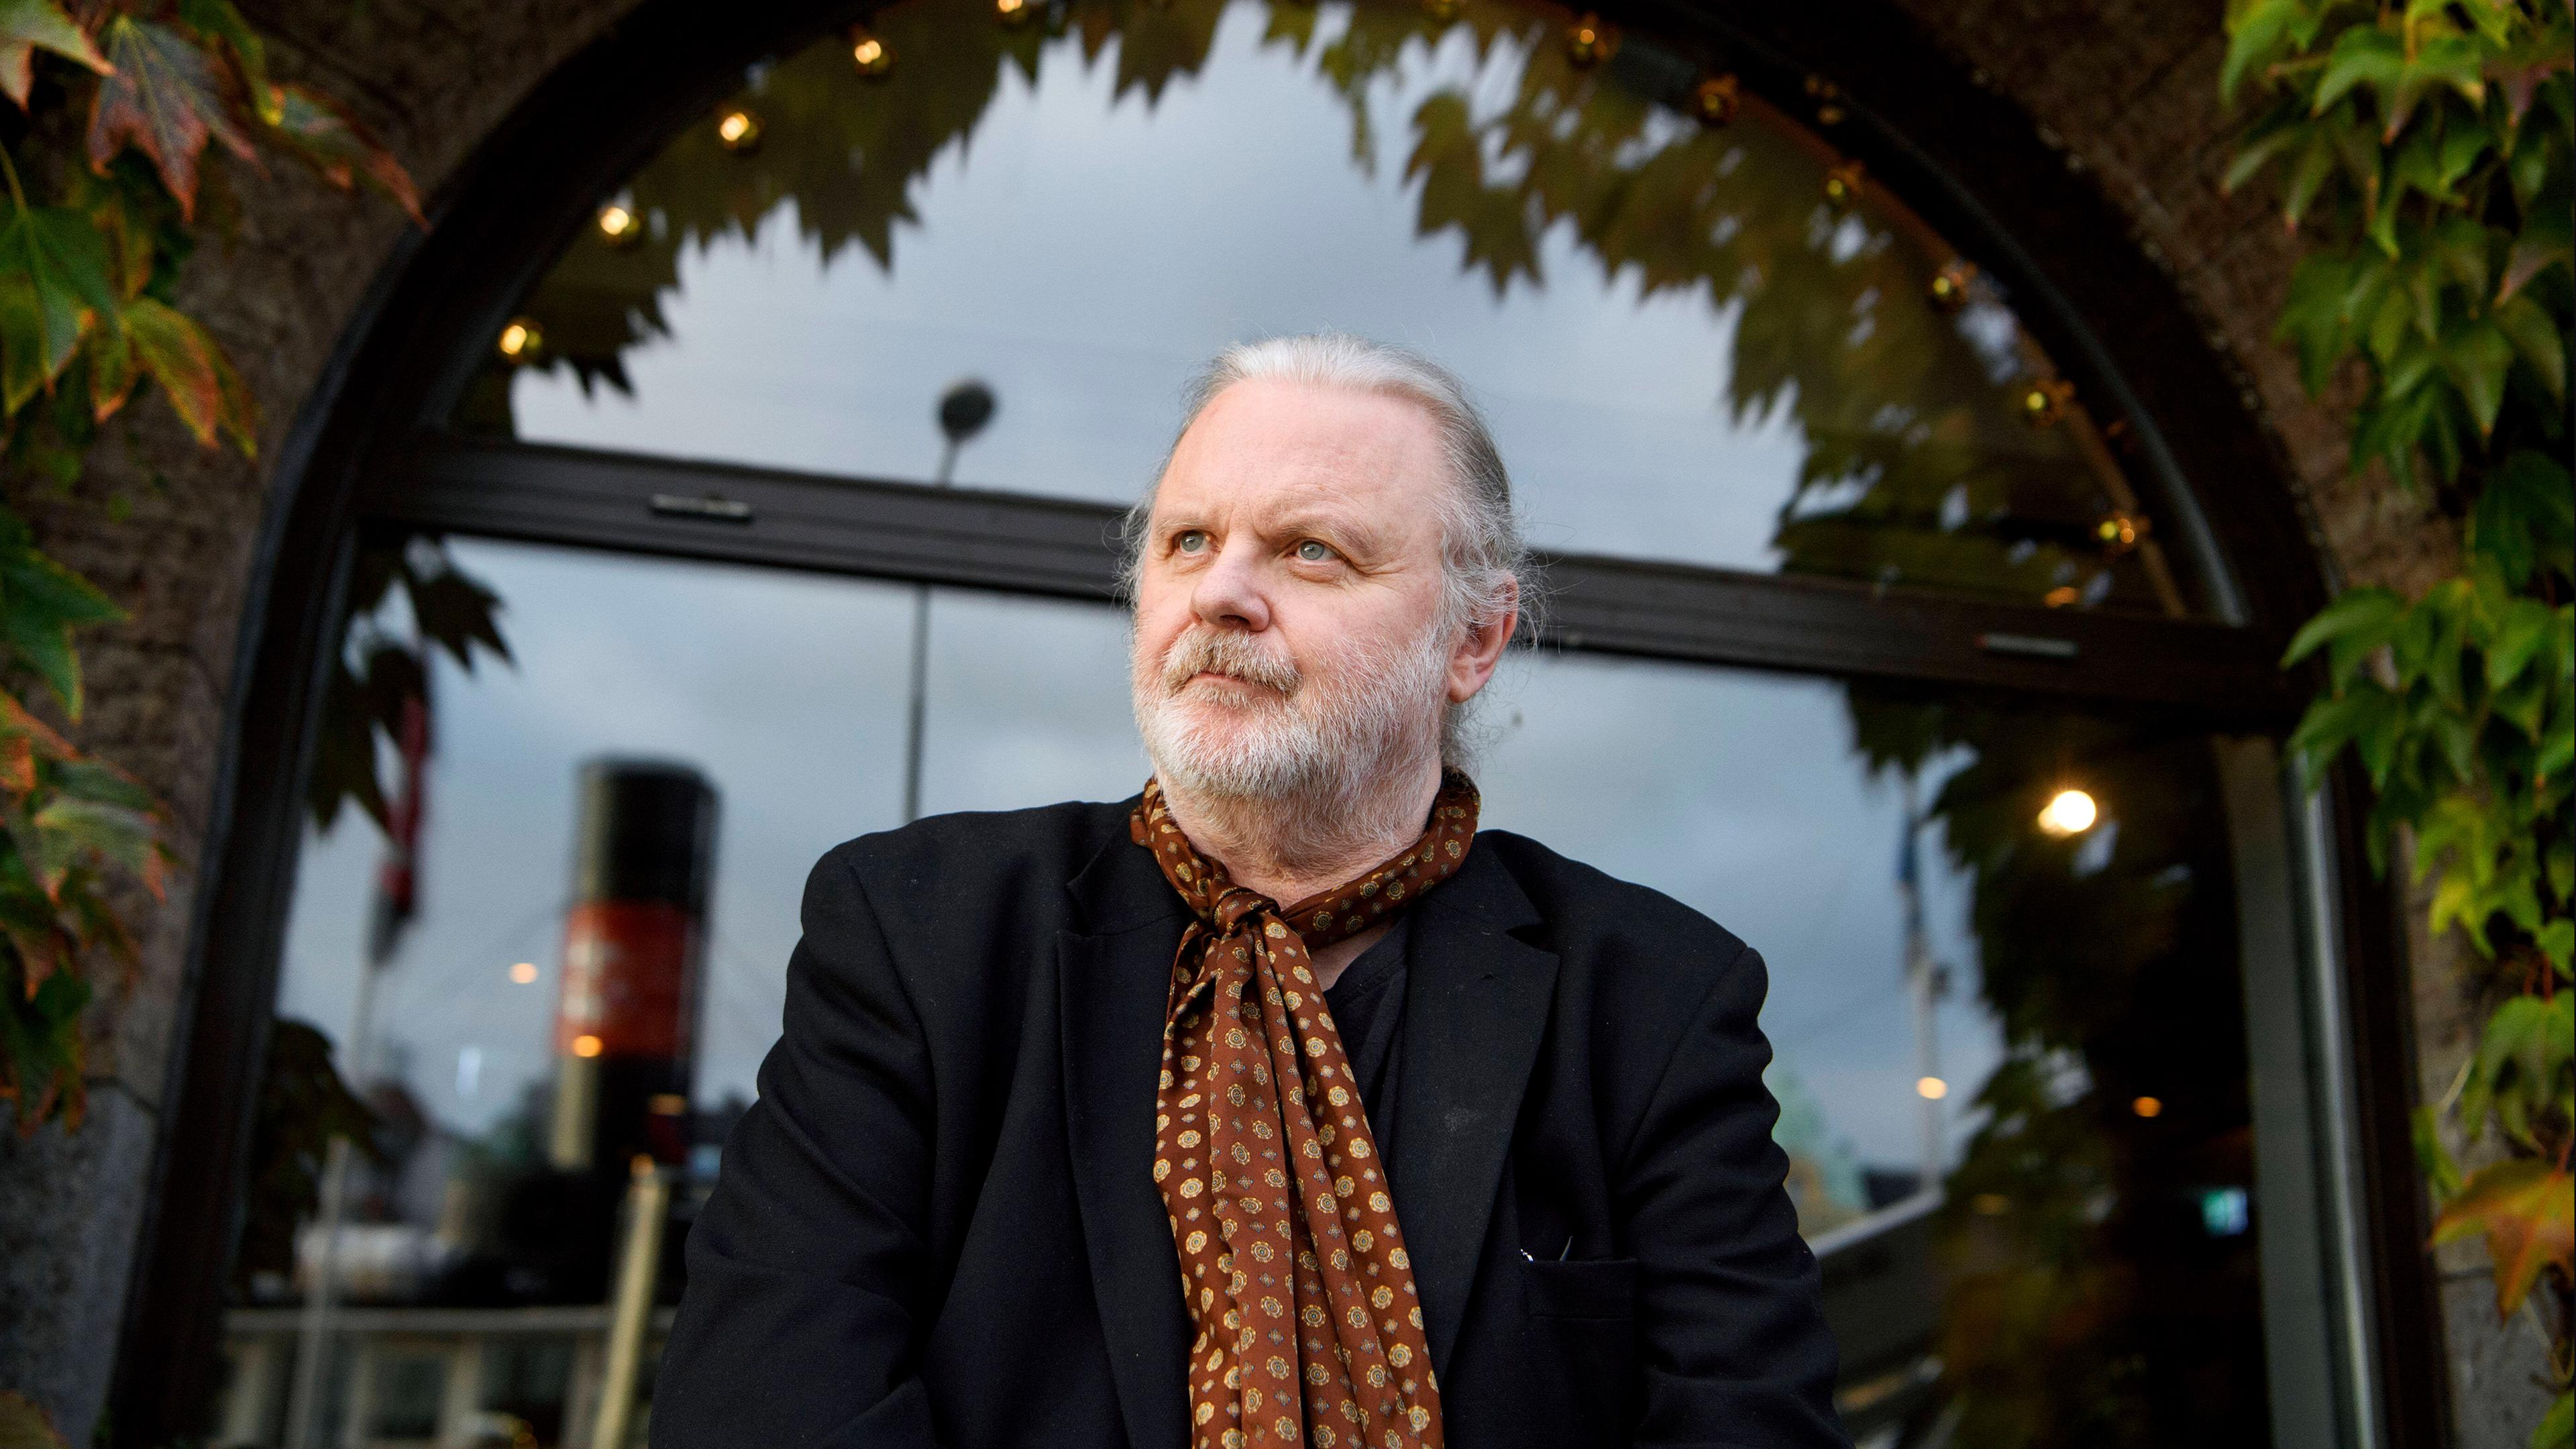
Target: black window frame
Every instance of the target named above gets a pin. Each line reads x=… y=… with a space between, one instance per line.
x=371 y=453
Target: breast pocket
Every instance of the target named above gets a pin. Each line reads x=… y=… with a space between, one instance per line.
x=1581 y=1334
x=1589 y=1288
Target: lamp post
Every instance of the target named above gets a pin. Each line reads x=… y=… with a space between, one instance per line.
x=963 y=412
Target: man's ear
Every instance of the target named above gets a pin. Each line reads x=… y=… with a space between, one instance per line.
x=1481 y=648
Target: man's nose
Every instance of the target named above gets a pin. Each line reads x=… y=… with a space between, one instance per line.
x=1230 y=593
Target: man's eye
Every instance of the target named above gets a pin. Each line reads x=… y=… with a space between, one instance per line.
x=1191 y=540
x=1313 y=552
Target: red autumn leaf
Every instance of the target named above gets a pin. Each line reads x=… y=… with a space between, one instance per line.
x=166 y=101
x=2527 y=1209
x=341 y=149
x=29 y=25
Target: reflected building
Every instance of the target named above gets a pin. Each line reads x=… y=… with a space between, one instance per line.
x=1855 y=536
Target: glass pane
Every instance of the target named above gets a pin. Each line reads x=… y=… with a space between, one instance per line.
x=506 y=1068
x=1712 y=344
x=2035 y=998
x=2010 y=1054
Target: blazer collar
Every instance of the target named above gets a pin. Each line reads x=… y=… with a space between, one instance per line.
x=1475 y=1010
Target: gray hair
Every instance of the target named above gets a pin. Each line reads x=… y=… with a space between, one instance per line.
x=1487 y=560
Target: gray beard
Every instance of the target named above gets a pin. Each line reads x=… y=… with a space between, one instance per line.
x=1316 y=772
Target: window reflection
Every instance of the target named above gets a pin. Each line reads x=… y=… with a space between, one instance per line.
x=1714 y=344
x=2077 y=1264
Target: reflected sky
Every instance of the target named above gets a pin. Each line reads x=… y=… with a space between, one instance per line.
x=1083 y=252
x=1736 y=793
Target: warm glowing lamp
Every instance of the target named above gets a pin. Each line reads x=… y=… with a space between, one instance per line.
x=525 y=973
x=2147 y=1107
x=1932 y=1089
x=2069 y=812
x=585 y=1045
x=520 y=338
x=738 y=130
x=619 y=225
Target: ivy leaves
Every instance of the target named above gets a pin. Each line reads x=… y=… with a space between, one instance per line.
x=2426 y=146
x=88 y=314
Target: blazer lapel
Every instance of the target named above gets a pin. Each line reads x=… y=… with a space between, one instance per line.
x=1111 y=986
x=1475 y=1009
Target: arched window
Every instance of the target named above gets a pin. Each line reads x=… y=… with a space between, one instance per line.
x=1884 y=625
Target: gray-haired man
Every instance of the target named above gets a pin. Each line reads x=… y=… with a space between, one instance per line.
x=1275 y=1106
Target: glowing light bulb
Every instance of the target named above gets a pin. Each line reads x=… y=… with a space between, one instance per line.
x=1717 y=98
x=520 y=339
x=738 y=130
x=524 y=973
x=619 y=225
x=1842 y=183
x=2069 y=812
x=870 y=55
x=586 y=1045
x=2147 y=1107
x=1932 y=1089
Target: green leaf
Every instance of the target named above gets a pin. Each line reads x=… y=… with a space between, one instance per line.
x=2525 y=518
x=53 y=288
x=2536 y=337
x=27 y=26
x=44 y=602
x=2363 y=55
x=2256 y=35
x=2476 y=360
x=163 y=100
x=2357 y=622
x=2557 y=1427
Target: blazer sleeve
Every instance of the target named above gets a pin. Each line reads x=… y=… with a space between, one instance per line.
x=808 y=1264
x=1735 y=1350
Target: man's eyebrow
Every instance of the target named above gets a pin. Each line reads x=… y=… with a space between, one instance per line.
x=1342 y=524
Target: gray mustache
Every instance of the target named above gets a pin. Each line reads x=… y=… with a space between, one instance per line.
x=1218 y=652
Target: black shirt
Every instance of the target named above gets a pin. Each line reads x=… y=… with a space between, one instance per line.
x=1367 y=1006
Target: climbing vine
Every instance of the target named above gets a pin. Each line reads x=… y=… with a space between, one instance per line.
x=114 y=107
x=2422 y=150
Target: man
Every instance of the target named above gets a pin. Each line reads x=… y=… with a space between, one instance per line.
x=1275 y=1106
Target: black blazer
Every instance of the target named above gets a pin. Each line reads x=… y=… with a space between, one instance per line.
x=938 y=1225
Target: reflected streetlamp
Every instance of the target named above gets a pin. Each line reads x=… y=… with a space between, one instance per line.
x=964 y=410
x=1926 y=982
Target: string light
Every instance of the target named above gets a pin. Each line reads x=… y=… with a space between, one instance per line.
x=1716 y=99
x=2118 y=533
x=1948 y=288
x=1842 y=183
x=1828 y=98
x=525 y=973
x=738 y=130
x=2044 y=402
x=1931 y=1089
x=619 y=225
x=520 y=338
x=1013 y=12
x=2069 y=812
x=1586 y=43
x=869 y=54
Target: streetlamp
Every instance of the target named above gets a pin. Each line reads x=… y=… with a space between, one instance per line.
x=964 y=410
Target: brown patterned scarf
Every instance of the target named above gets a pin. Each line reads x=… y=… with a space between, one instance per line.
x=1309 y=1329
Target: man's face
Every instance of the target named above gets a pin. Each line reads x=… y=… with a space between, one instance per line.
x=1288 y=617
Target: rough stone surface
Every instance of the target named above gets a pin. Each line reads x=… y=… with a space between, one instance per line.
x=2125 y=87
x=276 y=278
